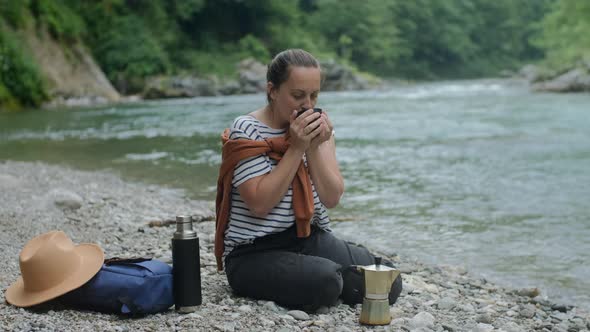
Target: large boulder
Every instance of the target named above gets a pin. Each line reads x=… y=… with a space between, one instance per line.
x=530 y=72
x=252 y=76
x=337 y=77
x=575 y=80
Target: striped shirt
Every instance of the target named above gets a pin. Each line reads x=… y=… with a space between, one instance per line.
x=243 y=226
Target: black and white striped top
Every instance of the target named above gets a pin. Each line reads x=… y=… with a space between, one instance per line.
x=243 y=226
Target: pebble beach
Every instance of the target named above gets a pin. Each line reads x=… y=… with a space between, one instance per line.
x=122 y=218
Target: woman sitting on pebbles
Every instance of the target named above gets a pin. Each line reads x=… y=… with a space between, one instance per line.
x=278 y=175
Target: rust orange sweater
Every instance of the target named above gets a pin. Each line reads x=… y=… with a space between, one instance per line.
x=235 y=150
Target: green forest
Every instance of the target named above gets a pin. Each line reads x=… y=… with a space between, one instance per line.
x=419 y=39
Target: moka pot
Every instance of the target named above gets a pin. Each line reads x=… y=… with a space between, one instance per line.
x=377 y=280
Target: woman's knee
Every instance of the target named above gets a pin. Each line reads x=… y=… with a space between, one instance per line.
x=325 y=287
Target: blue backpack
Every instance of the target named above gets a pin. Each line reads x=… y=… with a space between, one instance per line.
x=126 y=286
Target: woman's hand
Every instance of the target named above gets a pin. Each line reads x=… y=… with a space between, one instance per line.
x=325 y=131
x=323 y=166
x=305 y=128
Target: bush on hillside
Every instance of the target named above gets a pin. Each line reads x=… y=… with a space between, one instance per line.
x=19 y=76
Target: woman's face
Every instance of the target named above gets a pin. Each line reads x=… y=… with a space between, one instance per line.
x=300 y=91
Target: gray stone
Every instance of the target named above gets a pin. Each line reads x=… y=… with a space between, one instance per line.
x=8 y=181
x=245 y=308
x=65 y=199
x=338 y=77
x=528 y=311
x=511 y=313
x=529 y=72
x=270 y=305
x=512 y=327
x=322 y=310
x=446 y=303
x=226 y=327
x=421 y=320
x=484 y=318
x=575 y=80
x=230 y=88
x=467 y=307
x=298 y=314
x=252 y=76
x=563 y=326
x=267 y=322
x=481 y=327
x=577 y=323
x=448 y=327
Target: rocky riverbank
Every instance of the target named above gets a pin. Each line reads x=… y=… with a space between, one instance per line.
x=101 y=208
x=251 y=79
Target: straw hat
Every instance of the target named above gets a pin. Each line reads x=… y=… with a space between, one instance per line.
x=51 y=265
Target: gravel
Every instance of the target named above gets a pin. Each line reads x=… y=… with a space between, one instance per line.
x=99 y=207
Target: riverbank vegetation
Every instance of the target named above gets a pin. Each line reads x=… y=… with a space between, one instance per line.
x=132 y=40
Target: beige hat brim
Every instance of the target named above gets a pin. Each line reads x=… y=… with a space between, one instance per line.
x=92 y=259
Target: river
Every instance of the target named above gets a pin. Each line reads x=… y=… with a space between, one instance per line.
x=481 y=173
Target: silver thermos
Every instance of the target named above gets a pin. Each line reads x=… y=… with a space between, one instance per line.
x=186 y=266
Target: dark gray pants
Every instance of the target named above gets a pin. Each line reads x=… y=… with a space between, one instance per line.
x=302 y=273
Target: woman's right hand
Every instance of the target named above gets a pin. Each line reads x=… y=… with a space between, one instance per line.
x=304 y=128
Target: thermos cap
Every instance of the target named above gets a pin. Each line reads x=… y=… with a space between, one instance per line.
x=184 y=228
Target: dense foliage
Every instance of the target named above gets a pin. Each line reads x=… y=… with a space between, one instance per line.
x=418 y=39
x=566 y=34
x=20 y=81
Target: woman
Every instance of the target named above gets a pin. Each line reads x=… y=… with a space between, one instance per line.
x=278 y=175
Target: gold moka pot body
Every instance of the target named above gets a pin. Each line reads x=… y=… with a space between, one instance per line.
x=377 y=279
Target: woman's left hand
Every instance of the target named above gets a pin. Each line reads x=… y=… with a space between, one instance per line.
x=325 y=131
